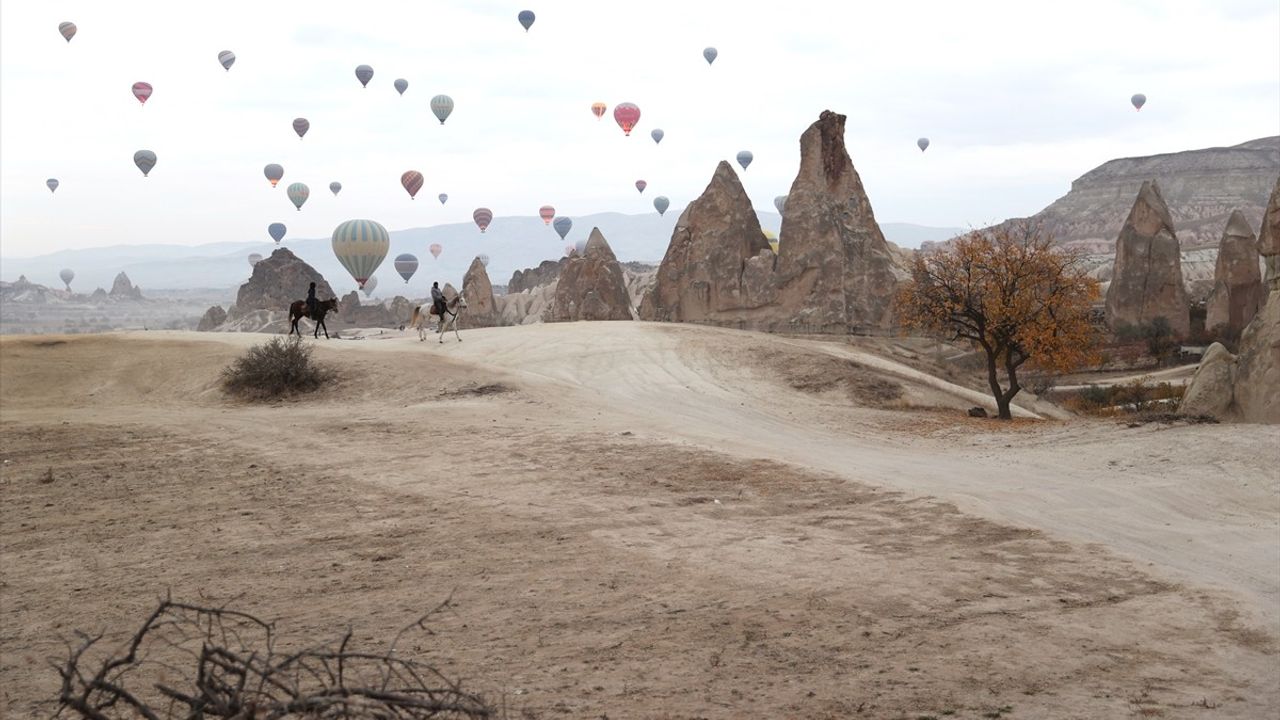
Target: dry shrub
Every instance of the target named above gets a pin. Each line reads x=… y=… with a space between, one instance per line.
x=276 y=368
x=1135 y=397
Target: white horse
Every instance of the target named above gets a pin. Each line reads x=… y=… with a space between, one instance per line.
x=452 y=309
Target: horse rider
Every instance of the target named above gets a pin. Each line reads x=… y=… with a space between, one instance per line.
x=437 y=299
x=311 y=302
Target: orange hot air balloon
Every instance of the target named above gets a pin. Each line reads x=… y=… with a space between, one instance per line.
x=598 y=109
x=627 y=116
x=546 y=212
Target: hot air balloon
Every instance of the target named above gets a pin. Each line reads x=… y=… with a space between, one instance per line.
x=298 y=194
x=145 y=160
x=369 y=285
x=435 y=250
x=772 y=239
x=444 y=198
x=627 y=115
x=361 y=245
x=744 y=158
x=546 y=212
x=657 y=135
x=641 y=185
x=484 y=259
x=364 y=74
x=227 y=58
x=335 y=187
x=412 y=182
x=276 y=231
x=68 y=30
x=142 y=91
x=482 y=216
x=661 y=203
x=442 y=105
x=710 y=54
x=526 y=19
x=52 y=184
x=273 y=172
x=923 y=144
x=562 y=225
x=67 y=275
x=254 y=259
x=598 y=109
x=301 y=126
x=1138 y=101
x=780 y=202
x=401 y=85
x=406 y=264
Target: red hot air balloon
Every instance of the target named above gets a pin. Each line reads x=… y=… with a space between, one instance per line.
x=546 y=212
x=482 y=216
x=142 y=91
x=412 y=182
x=627 y=115
x=641 y=185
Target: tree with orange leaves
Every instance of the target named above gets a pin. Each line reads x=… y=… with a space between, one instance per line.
x=1008 y=291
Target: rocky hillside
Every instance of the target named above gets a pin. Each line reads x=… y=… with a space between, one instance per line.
x=1202 y=188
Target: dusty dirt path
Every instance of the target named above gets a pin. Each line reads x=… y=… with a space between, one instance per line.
x=668 y=572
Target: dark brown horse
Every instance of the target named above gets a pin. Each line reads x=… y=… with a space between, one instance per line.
x=298 y=310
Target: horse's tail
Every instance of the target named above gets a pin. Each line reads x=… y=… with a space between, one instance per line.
x=417 y=313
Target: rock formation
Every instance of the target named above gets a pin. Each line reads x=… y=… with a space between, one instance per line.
x=1212 y=389
x=482 y=310
x=276 y=282
x=1147 y=283
x=213 y=318
x=1269 y=244
x=701 y=275
x=591 y=286
x=122 y=289
x=835 y=269
x=98 y=296
x=1237 y=284
x=353 y=313
x=529 y=278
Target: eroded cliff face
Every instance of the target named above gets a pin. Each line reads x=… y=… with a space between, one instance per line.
x=1147 y=283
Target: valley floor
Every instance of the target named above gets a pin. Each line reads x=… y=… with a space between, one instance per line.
x=639 y=520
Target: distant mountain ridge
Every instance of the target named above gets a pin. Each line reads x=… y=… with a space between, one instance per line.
x=1202 y=188
x=512 y=243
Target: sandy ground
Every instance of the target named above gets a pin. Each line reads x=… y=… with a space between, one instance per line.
x=647 y=521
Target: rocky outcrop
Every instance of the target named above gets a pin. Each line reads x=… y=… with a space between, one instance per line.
x=1269 y=244
x=482 y=309
x=1212 y=388
x=98 y=296
x=591 y=286
x=212 y=319
x=835 y=269
x=1202 y=188
x=1147 y=281
x=1257 y=386
x=1237 y=283
x=122 y=289
x=353 y=313
x=701 y=275
x=547 y=272
x=277 y=281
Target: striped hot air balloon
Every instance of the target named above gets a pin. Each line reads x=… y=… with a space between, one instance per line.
x=361 y=246
x=301 y=126
x=641 y=185
x=145 y=160
x=435 y=250
x=598 y=109
x=406 y=264
x=442 y=106
x=562 y=225
x=276 y=231
x=364 y=74
x=227 y=59
x=412 y=182
x=482 y=216
x=298 y=194
x=142 y=91
x=273 y=172
x=546 y=212
x=68 y=30
x=627 y=115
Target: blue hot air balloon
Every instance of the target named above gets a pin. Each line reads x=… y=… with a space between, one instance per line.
x=526 y=19
x=276 y=231
x=406 y=264
x=562 y=226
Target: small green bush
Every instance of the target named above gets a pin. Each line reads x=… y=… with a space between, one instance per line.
x=276 y=368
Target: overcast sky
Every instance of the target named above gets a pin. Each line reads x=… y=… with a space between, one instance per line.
x=1017 y=97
